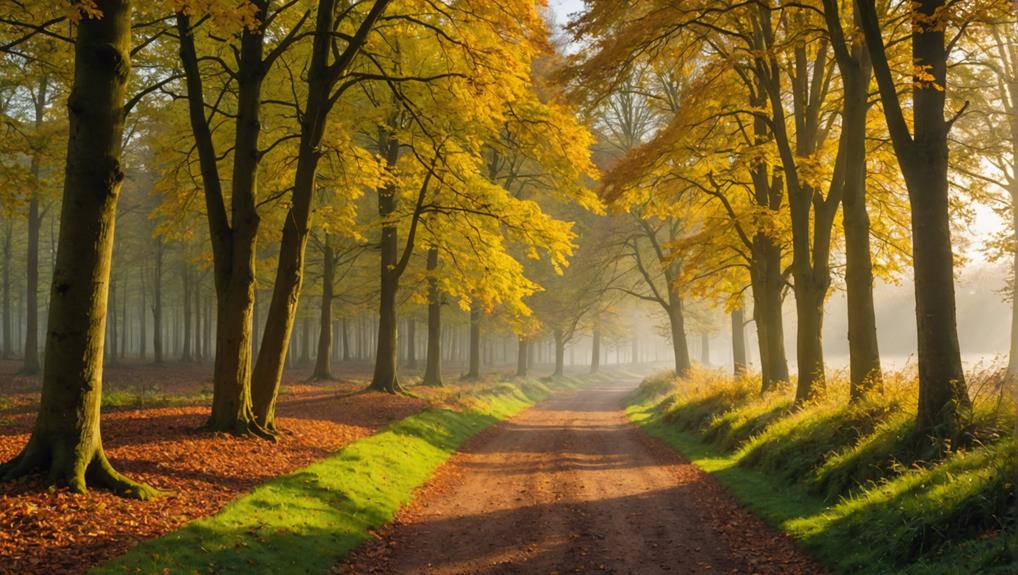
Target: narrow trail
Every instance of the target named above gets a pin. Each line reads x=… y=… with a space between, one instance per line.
x=571 y=486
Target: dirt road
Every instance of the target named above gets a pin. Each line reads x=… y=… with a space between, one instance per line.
x=571 y=487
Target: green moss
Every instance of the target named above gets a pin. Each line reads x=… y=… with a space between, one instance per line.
x=142 y=397
x=304 y=522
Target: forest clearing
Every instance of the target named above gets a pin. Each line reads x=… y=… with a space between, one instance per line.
x=526 y=286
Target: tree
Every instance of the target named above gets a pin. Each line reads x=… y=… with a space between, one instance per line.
x=66 y=440
x=922 y=153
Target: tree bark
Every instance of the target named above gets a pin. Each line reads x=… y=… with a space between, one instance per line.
x=111 y=323
x=595 y=351
x=65 y=440
x=323 y=364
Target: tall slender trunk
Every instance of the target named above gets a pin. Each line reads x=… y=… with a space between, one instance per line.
x=474 y=371
x=739 y=362
x=560 y=353
x=433 y=360
x=595 y=351
x=705 y=349
x=522 y=357
x=157 y=305
x=677 y=324
x=8 y=344
x=1012 y=365
x=767 y=286
x=65 y=440
x=185 y=275
x=142 y=318
x=323 y=364
x=865 y=372
x=345 y=329
x=385 y=377
x=30 y=363
x=923 y=157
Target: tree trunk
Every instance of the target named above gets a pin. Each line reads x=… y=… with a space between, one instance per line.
x=522 y=357
x=233 y=238
x=943 y=397
x=595 y=351
x=185 y=353
x=560 y=353
x=8 y=344
x=739 y=342
x=142 y=318
x=1012 y=365
x=65 y=440
x=677 y=324
x=157 y=305
x=865 y=372
x=322 y=76
x=767 y=285
x=323 y=364
x=474 y=371
x=433 y=361
x=30 y=365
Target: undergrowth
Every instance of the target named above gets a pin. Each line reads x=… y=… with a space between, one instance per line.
x=854 y=482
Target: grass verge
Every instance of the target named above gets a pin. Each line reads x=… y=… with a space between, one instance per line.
x=306 y=521
x=847 y=482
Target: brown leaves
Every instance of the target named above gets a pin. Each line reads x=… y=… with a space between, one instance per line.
x=52 y=531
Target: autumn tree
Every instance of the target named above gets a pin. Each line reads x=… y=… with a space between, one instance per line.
x=922 y=152
x=65 y=440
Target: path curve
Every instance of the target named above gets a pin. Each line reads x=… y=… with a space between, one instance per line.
x=570 y=486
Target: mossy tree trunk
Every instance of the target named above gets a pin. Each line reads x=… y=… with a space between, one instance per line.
x=65 y=441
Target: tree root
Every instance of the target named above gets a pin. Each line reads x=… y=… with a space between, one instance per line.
x=76 y=477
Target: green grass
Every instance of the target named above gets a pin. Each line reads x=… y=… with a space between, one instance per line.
x=306 y=521
x=851 y=483
x=143 y=397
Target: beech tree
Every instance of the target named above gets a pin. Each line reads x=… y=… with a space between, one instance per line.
x=922 y=153
x=69 y=447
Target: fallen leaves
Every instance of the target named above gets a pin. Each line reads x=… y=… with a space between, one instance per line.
x=55 y=532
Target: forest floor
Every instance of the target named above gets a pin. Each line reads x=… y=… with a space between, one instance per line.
x=149 y=429
x=571 y=486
